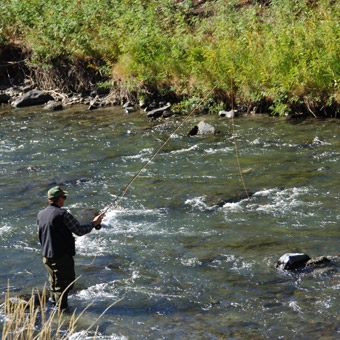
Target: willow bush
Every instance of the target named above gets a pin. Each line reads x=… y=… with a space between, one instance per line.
x=284 y=52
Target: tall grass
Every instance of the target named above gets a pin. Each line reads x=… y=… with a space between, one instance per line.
x=285 y=53
x=34 y=319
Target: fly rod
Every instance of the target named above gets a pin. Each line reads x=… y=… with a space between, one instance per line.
x=115 y=204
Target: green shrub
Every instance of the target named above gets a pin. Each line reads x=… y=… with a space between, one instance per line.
x=278 y=52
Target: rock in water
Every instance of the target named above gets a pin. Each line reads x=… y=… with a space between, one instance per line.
x=53 y=106
x=227 y=114
x=292 y=261
x=205 y=129
x=318 y=261
x=237 y=198
x=158 y=112
x=202 y=128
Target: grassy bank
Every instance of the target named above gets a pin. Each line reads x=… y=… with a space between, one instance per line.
x=276 y=55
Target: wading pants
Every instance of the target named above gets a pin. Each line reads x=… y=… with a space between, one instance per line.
x=61 y=278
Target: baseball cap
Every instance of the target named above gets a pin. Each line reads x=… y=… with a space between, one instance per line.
x=56 y=192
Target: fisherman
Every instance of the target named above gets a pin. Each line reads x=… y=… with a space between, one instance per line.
x=56 y=226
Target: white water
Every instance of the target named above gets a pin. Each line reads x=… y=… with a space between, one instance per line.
x=183 y=267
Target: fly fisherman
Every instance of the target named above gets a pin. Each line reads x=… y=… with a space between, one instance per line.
x=56 y=226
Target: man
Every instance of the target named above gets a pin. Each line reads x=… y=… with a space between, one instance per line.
x=56 y=226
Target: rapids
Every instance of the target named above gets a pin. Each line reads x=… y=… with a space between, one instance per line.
x=179 y=265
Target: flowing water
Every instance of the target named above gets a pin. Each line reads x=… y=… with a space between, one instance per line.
x=179 y=265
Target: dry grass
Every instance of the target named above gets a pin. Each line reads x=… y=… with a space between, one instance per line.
x=34 y=319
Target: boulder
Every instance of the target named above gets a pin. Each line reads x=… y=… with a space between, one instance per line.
x=53 y=106
x=202 y=128
x=33 y=97
x=4 y=98
x=291 y=261
x=155 y=113
x=227 y=114
x=318 y=261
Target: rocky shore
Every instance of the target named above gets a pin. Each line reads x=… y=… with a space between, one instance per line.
x=58 y=87
x=26 y=95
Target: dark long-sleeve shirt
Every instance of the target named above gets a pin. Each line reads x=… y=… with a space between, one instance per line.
x=56 y=226
x=75 y=227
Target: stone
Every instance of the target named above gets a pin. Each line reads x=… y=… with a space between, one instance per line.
x=292 y=261
x=202 y=128
x=237 y=198
x=318 y=261
x=33 y=97
x=205 y=129
x=158 y=112
x=53 y=106
x=227 y=114
x=4 y=98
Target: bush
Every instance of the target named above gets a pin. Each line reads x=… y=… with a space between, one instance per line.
x=276 y=52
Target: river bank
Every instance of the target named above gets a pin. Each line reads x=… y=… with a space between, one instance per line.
x=252 y=56
x=19 y=79
x=59 y=88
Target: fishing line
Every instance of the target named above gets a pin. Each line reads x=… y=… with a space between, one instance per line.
x=114 y=205
x=235 y=144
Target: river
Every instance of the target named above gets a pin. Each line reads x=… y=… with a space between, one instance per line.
x=179 y=265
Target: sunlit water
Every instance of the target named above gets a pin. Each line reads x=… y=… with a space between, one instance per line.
x=178 y=265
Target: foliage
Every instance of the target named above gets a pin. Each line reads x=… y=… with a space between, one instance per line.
x=276 y=52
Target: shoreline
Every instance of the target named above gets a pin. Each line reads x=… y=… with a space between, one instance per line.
x=93 y=90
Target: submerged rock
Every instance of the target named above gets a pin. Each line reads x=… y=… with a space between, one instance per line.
x=318 y=261
x=237 y=198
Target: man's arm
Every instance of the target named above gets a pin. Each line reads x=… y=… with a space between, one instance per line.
x=75 y=227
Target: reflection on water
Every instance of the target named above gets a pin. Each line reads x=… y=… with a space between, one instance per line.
x=182 y=266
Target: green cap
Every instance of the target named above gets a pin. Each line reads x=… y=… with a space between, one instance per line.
x=56 y=192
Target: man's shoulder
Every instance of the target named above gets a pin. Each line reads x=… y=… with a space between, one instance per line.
x=52 y=208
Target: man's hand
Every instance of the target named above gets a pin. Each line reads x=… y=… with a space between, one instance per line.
x=98 y=220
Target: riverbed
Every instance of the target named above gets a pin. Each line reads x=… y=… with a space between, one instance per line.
x=179 y=263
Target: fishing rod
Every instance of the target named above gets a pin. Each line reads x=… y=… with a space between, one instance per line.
x=115 y=204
